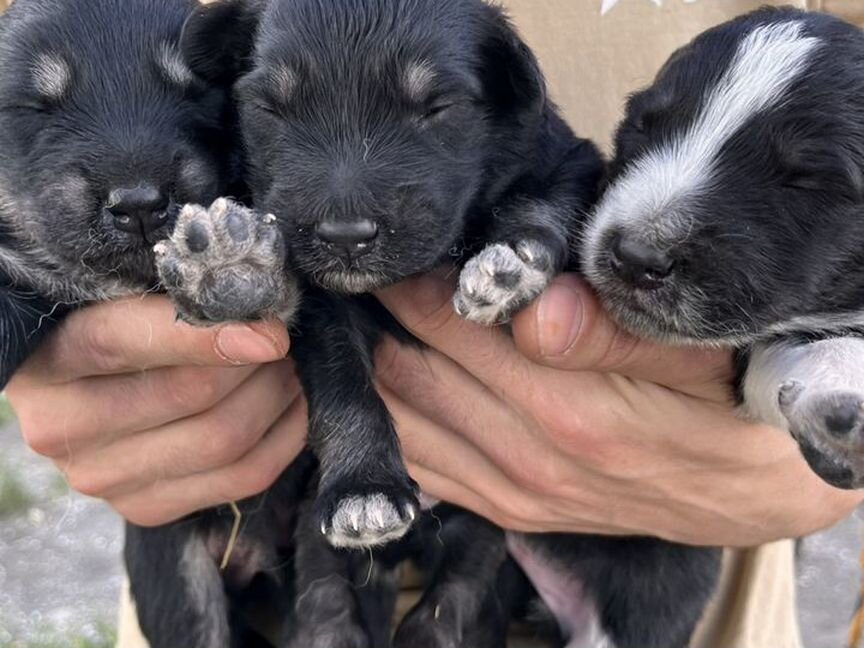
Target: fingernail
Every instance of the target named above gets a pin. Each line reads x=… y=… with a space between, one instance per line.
x=559 y=317
x=242 y=345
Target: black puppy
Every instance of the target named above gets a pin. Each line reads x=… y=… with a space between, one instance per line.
x=388 y=137
x=105 y=131
x=735 y=217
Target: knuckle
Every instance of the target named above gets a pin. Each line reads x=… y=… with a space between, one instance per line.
x=98 y=342
x=41 y=440
x=517 y=513
x=226 y=439
x=254 y=478
x=193 y=389
x=571 y=437
x=537 y=477
x=141 y=516
x=85 y=482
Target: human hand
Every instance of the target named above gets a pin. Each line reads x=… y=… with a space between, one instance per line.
x=158 y=418
x=572 y=425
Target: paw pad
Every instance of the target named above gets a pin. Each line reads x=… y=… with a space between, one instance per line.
x=225 y=263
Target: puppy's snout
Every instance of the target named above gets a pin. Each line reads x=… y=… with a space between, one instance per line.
x=639 y=263
x=140 y=210
x=355 y=237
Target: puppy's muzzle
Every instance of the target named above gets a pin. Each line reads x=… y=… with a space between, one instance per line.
x=349 y=238
x=638 y=263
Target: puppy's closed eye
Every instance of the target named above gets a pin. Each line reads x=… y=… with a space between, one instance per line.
x=272 y=92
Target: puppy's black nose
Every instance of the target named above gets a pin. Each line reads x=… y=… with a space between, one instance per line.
x=140 y=210
x=638 y=263
x=353 y=236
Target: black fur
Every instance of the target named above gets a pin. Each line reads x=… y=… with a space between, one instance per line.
x=114 y=121
x=97 y=104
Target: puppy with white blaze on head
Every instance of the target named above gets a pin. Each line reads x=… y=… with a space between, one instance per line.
x=734 y=216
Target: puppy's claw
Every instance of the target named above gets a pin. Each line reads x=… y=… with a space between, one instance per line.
x=789 y=393
x=362 y=521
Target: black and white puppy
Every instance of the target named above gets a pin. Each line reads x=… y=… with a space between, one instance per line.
x=104 y=131
x=735 y=217
x=388 y=137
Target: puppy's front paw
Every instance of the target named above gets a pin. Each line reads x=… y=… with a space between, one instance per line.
x=501 y=280
x=367 y=517
x=829 y=427
x=226 y=263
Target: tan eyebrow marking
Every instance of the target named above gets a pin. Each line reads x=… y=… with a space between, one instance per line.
x=52 y=76
x=418 y=79
x=174 y=67
x=283 y=81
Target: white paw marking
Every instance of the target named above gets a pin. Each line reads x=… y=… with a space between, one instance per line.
x=501 y=280
x=369 y=521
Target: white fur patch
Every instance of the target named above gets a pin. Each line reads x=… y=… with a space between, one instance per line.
x=352 y=283
x=52 y=76
x=419 y=76
x=369 y=521
x=206 y=592
x=500 y=280
x=174 y=67
x=284 y=81
x=834 y=364
x=652 y=194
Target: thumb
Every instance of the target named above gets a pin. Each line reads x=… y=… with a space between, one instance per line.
x=567 y=329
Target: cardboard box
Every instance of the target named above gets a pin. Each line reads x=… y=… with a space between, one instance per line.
x=592 y=60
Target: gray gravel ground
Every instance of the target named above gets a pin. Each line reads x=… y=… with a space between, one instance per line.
x=60 y=566
x=59 y=559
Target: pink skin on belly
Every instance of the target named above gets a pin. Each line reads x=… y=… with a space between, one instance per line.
x=562 y=593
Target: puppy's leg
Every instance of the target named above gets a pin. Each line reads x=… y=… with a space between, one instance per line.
x=326 y=613
x=226 y=263
x=25 y=320
x=619 y=592
x=177 y=588
x=816 y=391
x=461 y=607
x=530 y=240
x=366 y=497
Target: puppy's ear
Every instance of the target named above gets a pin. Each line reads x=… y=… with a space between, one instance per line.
x=25 y=320
x=824 y=164
x=219 y=37
x=511 y=75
